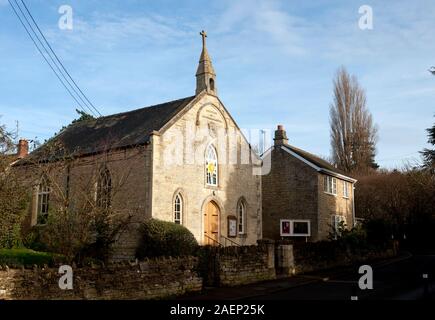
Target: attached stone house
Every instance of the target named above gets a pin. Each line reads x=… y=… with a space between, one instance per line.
x=184 y=161
x=304 y=197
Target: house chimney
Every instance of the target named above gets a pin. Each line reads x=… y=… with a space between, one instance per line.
x=280 y=136
x=23 y=148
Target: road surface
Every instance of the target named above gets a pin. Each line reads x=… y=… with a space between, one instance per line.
x=407 y=277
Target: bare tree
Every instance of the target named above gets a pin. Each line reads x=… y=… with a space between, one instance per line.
x=353 y=133
x=87 y=196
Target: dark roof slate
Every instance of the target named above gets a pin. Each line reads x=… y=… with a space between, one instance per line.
x=114 y=131
x=319 y=162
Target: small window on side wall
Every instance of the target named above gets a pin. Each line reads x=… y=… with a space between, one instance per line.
x=338 y=224
x=43 y=202
x=104 y=189
x=241 y=217
x=178 y=209
x=330 y=185
x=345 y=189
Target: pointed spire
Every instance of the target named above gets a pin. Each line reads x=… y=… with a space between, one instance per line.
x=205 y=75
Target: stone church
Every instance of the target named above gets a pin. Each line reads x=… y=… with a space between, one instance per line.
x=184 y=161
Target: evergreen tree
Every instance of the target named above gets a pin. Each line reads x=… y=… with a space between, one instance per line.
x=429 y=154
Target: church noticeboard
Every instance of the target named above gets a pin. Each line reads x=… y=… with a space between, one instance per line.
x=232 y=227
x=285 y=228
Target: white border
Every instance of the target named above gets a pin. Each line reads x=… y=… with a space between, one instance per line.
x=292 y=234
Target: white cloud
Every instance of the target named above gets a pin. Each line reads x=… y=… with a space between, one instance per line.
x=265 y=20
x=108 y=31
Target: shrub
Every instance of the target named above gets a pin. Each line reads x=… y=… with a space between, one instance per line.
x=78 y=233
x=22 y=256
x=33 y=240
x=13 y=204
x=162 y=238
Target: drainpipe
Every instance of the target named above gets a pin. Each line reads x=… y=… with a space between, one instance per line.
x=353 y=205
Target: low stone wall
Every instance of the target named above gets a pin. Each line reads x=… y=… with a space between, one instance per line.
x=149 y=279
x=326 y=254
x=247 y=264
x=165 y=277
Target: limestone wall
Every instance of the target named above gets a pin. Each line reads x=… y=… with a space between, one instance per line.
x=243 y=265
x=150 y=279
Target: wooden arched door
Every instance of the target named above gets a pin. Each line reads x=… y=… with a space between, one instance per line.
x=211 y=224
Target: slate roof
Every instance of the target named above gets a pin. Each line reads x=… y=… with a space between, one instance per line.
x=8 y=158
x=112 y=132
x=317 y=161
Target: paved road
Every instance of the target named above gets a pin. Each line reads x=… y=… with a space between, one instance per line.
x=400 y=278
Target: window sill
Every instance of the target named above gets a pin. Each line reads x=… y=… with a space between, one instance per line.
x=212 y=187
x=346 y=197
x=331 y=194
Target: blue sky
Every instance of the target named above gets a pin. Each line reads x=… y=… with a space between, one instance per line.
x=274 y=60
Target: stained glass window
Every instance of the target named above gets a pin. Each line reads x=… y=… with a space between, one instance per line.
x=211 y=166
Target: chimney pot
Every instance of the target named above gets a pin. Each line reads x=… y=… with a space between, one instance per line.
x=280 y=136
x=23 y=148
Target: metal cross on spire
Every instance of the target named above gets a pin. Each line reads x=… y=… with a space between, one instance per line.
x=204 y=35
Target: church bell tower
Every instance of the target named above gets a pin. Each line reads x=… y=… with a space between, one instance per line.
x=205 y=75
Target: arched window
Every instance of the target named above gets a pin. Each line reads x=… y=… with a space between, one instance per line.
x=178 y=209
x=43 y=201
x=104 y=189
x=241 y=217
x=211 y=82
x=211 y=166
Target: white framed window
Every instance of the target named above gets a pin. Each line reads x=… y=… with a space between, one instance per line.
x=104 y=189
x=211 y=166
x=241 y=217
x=337 y=220
x=345 y=189
x=43 y=202
x=295 y=228
x=178 y=209
x=330 y=185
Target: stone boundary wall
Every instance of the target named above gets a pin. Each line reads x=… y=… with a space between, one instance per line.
x=325 y=255
x=161 y=278
x=149 y=279
x=247 y=264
